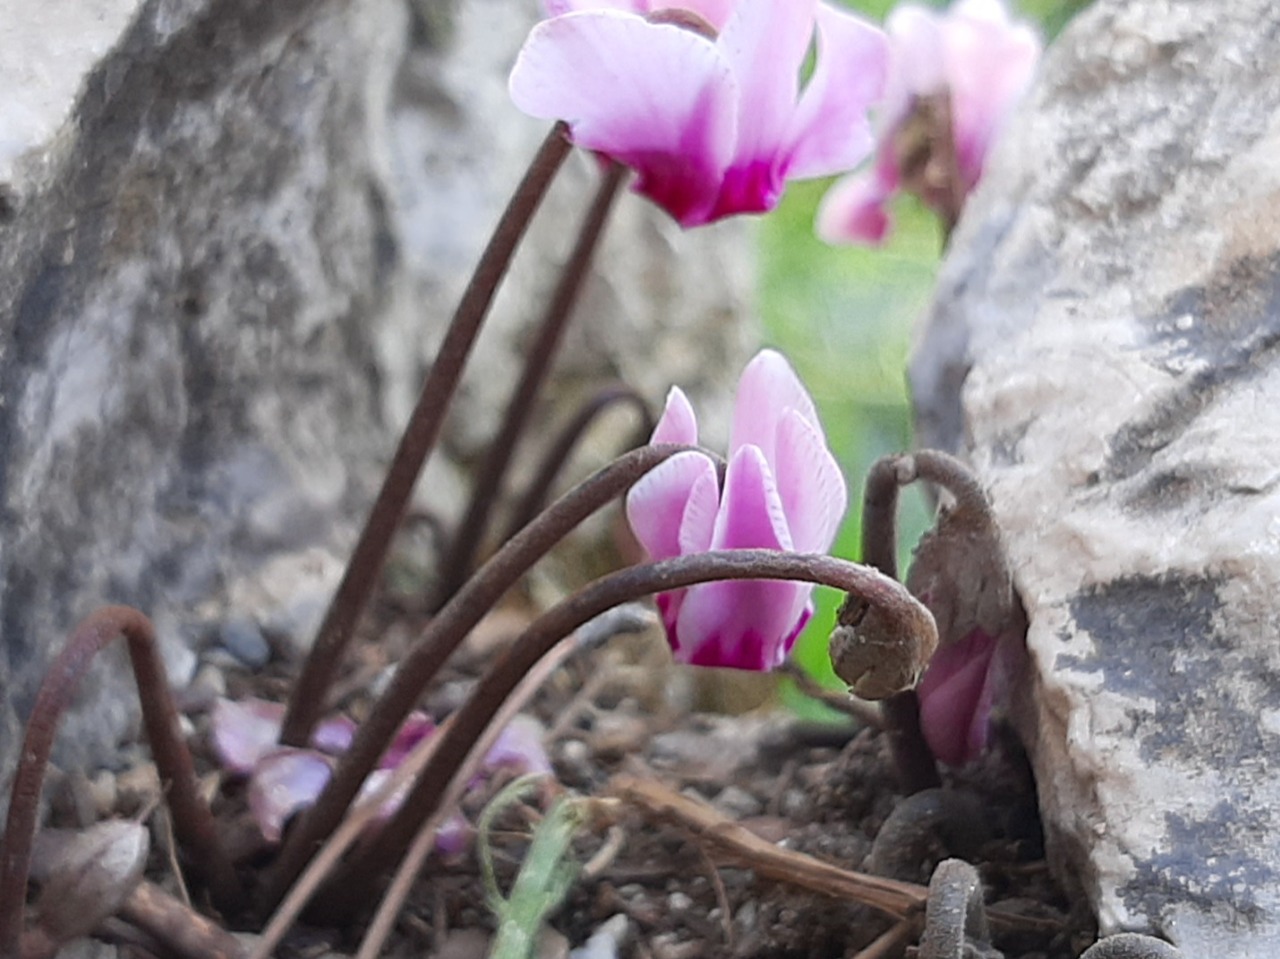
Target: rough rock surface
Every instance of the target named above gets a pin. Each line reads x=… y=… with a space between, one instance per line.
x=1105 y=347
x=231 y=233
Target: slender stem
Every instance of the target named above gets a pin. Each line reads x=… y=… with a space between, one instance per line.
x=193 y=823
x=308 y=698
x=402 y=883
x=957 y=479
x=899 y=610
x=537 y=365
x=440 y=638
x=535 y=496
x=912 y=759
x=337 y=843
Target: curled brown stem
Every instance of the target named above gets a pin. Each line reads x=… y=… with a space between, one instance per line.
x=308 y=699
x=955 y=925
x=959 y=567
x=193 y=823
x=537 y=364
x=892 y=607
x=437 y=642
x=910 y=838
x=1131 y=945
x=536 y=495
x=912 y=760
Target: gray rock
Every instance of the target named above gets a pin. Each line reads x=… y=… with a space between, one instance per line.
x=231 y=234
x=1103 y=346
x=241 y=637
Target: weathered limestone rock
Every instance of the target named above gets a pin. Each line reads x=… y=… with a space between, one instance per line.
x=231 y=233
x=1105 y=346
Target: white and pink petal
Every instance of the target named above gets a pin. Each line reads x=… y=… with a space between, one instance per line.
x=284 y=783
x=830 y=131
x=767 y=388
x=656 y=504
x=245 y=731
x=812 y=488
x=656 y=97
x=678 y=424
x=855 y=210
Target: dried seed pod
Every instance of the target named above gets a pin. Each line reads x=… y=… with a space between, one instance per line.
x=955 y=925
x=879 y=652
x=86 y=876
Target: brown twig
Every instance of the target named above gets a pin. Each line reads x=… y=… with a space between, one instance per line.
x=178 y=926
x=193 y=823
x=891 y=942
x=866 y=713
x=731 y=842
x=308 y=699
x=722 y=898
x=537 y=364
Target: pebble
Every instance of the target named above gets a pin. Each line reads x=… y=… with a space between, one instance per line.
x=551 y=945
x=668 y=946
x=464 y=944
x=678 y=902
x=737 y=803
x=606 y=941
x=208 y=686
x=136 y=787
x=618 y=735
x=241 y=637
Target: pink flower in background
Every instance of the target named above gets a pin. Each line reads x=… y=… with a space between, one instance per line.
x=713 y=120
x=782 y=490
x=961 y=688
x=975 y=57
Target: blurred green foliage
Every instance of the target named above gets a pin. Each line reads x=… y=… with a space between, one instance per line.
x=844 y=317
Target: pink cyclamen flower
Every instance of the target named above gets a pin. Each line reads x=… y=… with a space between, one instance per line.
x=704 y=101
x=961 y=689
x=782 y=490
x=976 y=57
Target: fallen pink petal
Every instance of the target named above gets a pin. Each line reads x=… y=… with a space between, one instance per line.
x=519 y=748
x=246 y=731
x=713 y=121
x=283 y=783
x=782 y=490
x=975 y=57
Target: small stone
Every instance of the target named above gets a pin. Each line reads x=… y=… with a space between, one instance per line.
x=606 y=941
x=102 y=790
x=737 y=803
x=464 y=944
x=678 y=902
x=616 y=735
x=241 y=637
x=668 y=946
x=551 y=945
x=136 y=788
x=211 y=678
